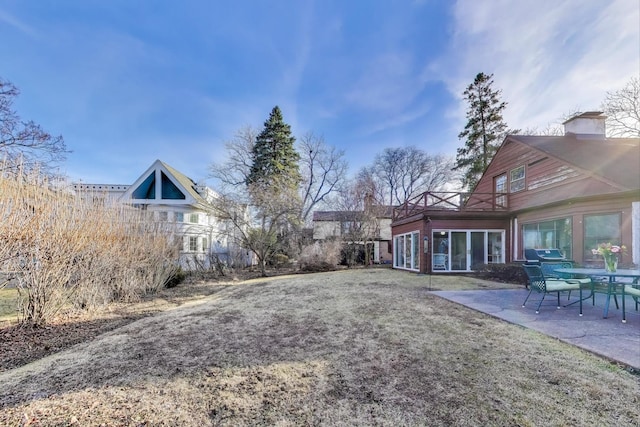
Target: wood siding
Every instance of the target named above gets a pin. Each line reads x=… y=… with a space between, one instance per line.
x=547 y=179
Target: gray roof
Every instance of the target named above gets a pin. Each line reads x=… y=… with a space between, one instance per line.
x=382 y=212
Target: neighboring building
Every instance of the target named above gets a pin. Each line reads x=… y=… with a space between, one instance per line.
x=169 y=195
x=568 y=192
x=370 y=228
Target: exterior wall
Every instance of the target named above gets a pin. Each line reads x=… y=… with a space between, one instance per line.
x=426 y=227
x=385 y=229
x=325 y=229
x=547 y=179
x=577 y=211
x=585 y=125
x=635 y=233
x=111 y=192
x=380 y=231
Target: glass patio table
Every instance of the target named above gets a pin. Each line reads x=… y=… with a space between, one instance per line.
x=611 y=284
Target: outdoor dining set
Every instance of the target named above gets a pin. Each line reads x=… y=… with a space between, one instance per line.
x=556 y=276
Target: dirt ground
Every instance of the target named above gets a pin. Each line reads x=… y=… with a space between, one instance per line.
x=362 y=347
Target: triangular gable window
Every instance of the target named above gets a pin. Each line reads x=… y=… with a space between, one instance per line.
x=146 y=190
x=169 y=189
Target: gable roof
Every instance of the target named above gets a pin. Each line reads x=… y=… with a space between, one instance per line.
x=172 y=181
x=615 y=159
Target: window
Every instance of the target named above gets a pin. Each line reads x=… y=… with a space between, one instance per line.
x=146 y=190
x=179 y=216
x=193 y=218
x=517 y=179
x=163 y=215
x=500 y=186
x=601 y=229
x=204 y=244
x=406 y=250
x=554 y=234
x=169 y=189
x=193 y=243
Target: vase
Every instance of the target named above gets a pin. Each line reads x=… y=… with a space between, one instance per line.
x=610 y=263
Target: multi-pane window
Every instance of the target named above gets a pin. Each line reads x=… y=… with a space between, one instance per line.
x=406 y=249
x=500 y=186
x=193 y=243
x=601 y=229
x=554 y=234
x=204 y=244
x=193 y=218
x=517 y=179
x=163 y=215
x=178 y=216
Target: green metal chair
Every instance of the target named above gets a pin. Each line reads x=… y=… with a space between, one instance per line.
x=634 y=291
x=538 y=283
x=550 y=271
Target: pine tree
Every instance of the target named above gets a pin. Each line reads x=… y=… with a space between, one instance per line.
x=275 y=160
x=483 y=132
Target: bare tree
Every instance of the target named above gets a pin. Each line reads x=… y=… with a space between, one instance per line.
x=553 y=128
x=258 y=226
x=360 y=214
x=24 y=143
x=236 y=169
x=405 y=172
x=323 y=169
x=622 y=108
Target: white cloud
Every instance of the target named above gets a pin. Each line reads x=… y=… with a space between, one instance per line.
x=548 y=57
x=18 y=24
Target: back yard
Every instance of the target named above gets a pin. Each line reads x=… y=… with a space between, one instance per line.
x=358 y=347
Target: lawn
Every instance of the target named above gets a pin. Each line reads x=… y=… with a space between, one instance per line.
x=362 y=347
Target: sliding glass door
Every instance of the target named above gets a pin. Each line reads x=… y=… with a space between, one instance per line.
x=460 y=250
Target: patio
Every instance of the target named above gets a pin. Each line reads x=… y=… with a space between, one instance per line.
x=608 y=337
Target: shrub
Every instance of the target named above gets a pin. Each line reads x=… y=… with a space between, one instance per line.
x=317 y=267
x=176 y=278
x=67 y=249
x=279 y=260
x=507 y=273
x=320 y=256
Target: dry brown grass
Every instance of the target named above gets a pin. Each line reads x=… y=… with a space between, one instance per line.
x=364 y=347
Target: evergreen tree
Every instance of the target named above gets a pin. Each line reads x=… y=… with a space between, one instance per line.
x=275 y=160
x=483 y=132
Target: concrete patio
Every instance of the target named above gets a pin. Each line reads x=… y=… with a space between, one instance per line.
x=608 y=337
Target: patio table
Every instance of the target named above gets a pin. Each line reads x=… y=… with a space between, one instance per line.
x=601 y=272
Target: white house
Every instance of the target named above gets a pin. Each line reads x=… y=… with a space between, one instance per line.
x=169 y=195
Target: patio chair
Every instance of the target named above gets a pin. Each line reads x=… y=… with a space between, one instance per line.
x=540 y=284
x=549 y=270
x=439 y=261
x=634 y=291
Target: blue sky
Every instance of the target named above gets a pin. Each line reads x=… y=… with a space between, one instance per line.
x=127 y=82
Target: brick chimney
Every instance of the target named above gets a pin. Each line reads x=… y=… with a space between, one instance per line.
x=590 y=123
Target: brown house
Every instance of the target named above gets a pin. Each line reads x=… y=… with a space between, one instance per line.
x=568 y=192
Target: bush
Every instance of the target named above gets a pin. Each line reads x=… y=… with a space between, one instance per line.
x=279 y=260
x=320 y=256
x=174 y=280
x=506 y=273
x=68 y=250
x=317 y=267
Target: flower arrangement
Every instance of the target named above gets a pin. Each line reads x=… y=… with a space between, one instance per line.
x=610 y=254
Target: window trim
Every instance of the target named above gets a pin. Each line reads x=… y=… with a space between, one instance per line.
x=500 y=196
x=193 y=243
x=414 y=257
x=521 y=183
